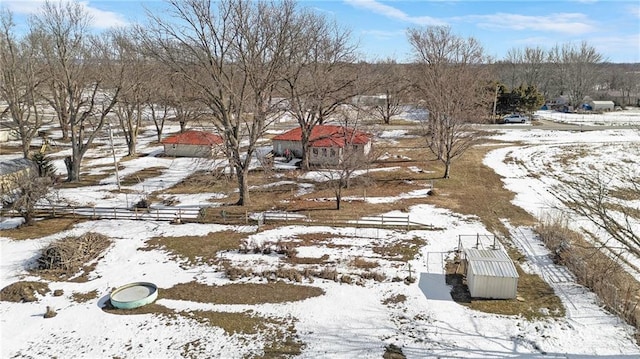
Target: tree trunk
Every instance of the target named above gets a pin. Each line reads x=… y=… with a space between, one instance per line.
x=447 y=169
x=73 y=169
x=243 y=186
x=338 y=198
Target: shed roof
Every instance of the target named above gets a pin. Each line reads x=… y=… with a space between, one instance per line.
x=193 y=137
x=491 y=263
x=327 y=136
x=603 y=102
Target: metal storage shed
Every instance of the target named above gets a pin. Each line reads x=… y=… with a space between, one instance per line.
x=490 y=274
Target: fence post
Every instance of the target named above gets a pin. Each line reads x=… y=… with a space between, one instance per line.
x=408 y=223
x=382 y=219
x=93 y=216
x=115 y=215
x=54 y=210
x=246 y=217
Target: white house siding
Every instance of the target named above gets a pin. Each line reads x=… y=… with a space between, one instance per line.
x=183 y=150
x=491 y=274
x=325 y=155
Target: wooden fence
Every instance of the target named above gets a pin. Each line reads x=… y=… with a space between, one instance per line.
x=155 y=214
x=196 y=214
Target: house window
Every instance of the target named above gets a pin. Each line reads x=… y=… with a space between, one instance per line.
x=315 y=151
x=333 y=152
x=355 y=147
x=324 y=152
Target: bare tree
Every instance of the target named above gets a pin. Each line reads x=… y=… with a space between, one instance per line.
x=321 y=76
x=231 y=53
x=19 y=82
x=351 y=151
x=528 y=68
x=454 y=87
x=596 y=197
x=576 y=70
x=29 y=190
x=131 y=74
x=393 y=87
x=77 y=69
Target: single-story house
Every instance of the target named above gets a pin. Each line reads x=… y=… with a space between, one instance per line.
x=328 y=143
x=192 y=144
x=13 y=172
x=601 y=105
x=490 y=273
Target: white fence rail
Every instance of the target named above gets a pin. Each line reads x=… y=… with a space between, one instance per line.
x=155 y=214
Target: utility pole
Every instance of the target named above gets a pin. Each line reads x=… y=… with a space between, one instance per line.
x=113 y=152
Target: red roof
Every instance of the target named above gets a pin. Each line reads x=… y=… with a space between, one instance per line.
x=192 y=137
x=327 y=136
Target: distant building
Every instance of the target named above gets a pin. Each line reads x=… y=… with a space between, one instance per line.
x=328 y=143
x=192 y=144
x=369 y=100
x=601 y=105
x=13 y=172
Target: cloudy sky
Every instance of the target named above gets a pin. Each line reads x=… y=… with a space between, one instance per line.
x=612 y=27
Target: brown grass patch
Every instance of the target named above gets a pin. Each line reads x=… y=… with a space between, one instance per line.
x=198 y=249
x=404 y=251
x=140 y=176
x=362 y=263
x=475 y=189
x=86 y=179
x=26 y=291
x=84 y=297
x=41 y=228
x=395 y=299
x=242 y=293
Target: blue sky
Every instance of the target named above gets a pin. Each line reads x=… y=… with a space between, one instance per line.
x=612 y=27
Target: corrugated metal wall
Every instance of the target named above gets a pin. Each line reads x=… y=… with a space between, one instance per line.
x=491 y=274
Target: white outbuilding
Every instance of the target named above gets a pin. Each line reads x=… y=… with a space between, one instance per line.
x=602 y=105
x=490 y=274
x=192 y=144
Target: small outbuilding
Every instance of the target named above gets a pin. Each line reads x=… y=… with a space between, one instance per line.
x=192 y=144
x=601 y=105
x=328 y=143
x=490 y=273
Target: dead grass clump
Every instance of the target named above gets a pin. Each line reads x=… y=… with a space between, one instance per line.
x=309 y=260
x=235 y=273
x=242 y=293
x=291 y=274
x=395 y=299
x=50 y=313
x=84 y=297
x=393 y=351
x=328 y=273
x=377 y=276
x=346 y=279
x=67 y=257
x=20 y=292
x=593 y=268
x=362 y=263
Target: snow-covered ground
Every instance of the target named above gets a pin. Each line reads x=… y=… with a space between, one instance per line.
x=348 y=321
